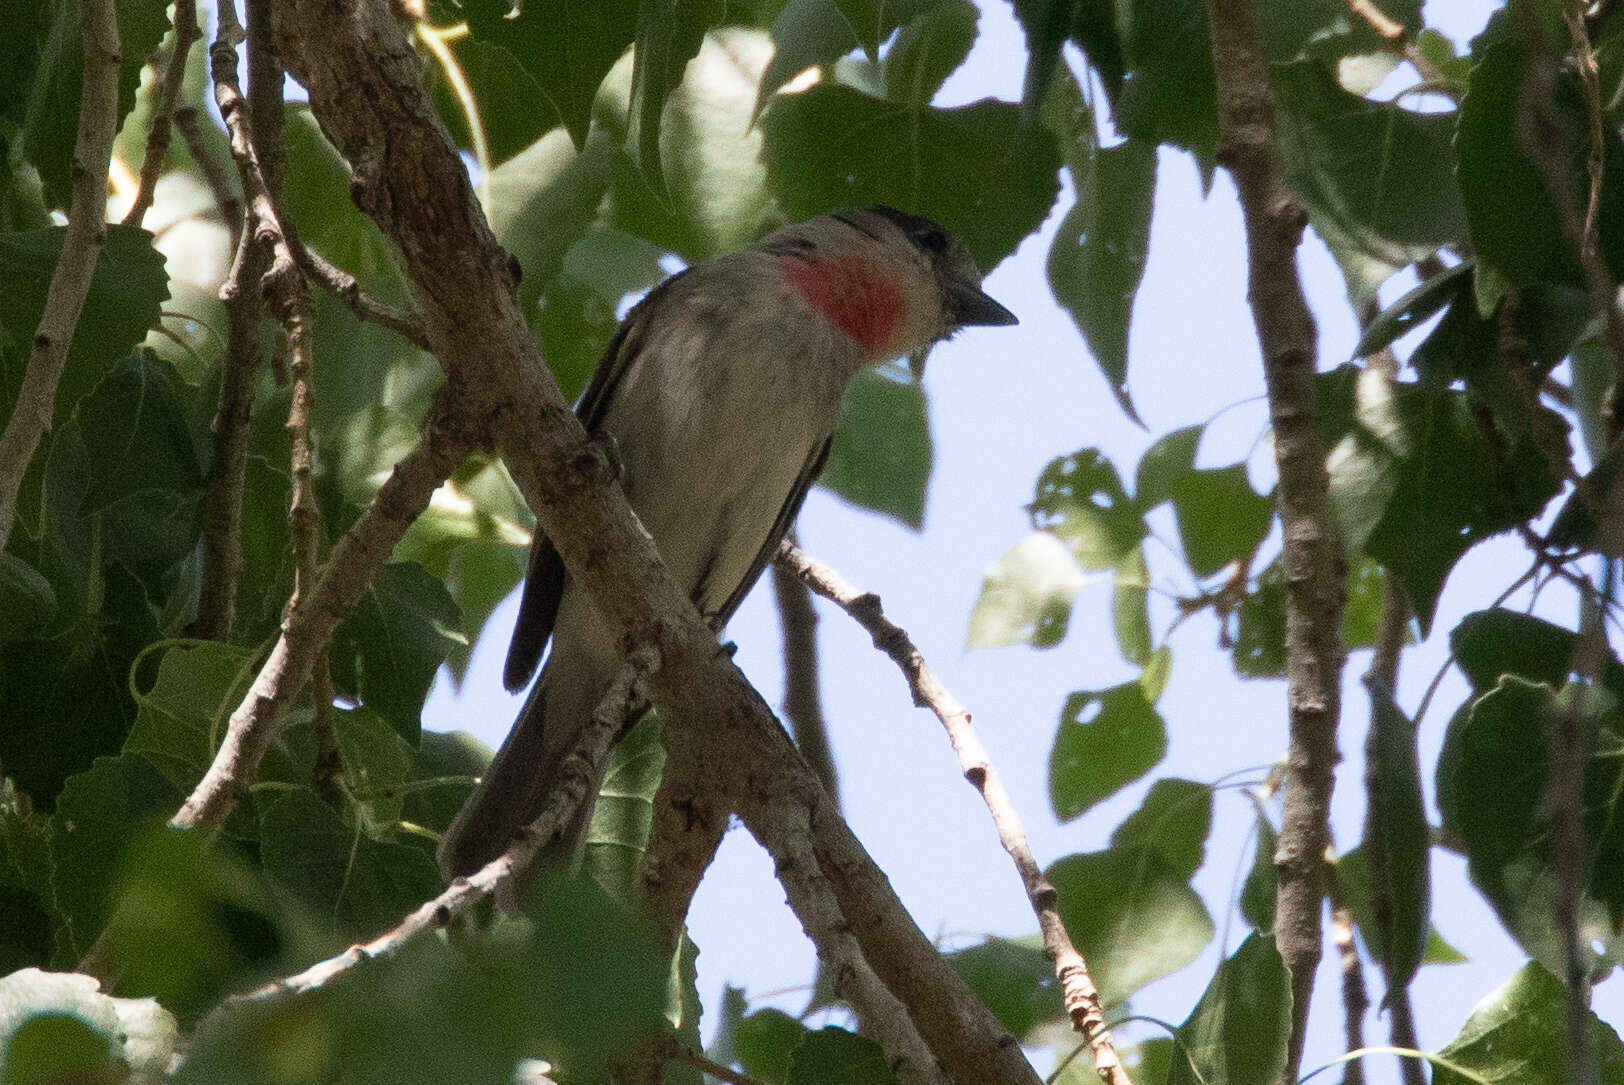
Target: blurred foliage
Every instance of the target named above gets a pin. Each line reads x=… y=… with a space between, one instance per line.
x=612 y=142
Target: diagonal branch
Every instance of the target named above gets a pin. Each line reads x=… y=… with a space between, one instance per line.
x=1082 y=1001
x=158 y=136
x=81 y=246
x=1312 y=553
x=308 y=629
x=366 y=90
x=583 y=765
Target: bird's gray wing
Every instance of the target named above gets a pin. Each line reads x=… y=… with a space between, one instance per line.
x=786 y=518
x=544 y=581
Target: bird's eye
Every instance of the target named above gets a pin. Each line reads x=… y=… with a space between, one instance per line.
x=933 y=239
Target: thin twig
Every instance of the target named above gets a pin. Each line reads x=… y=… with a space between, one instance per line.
x=81 y=247
x=583 y=765
x=1381 y=22
x=308 y=630
x=798 y=619
x=884 y=1018
x=1355 y=1000
x=226 y=199
x=169 y=88
x=1540 y=136
x=262 y=270
x=677 y=1053
x=1077 y=988
x=1311 y=549
x=403 y=322
x=1391 y=632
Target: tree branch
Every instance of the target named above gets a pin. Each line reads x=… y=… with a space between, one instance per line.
x=343 y=285
x=169 y=88
x=1312 y=554
x=225 y=197
x=262 y=272
x=579 y=769
x=1082 y=1001
x=798 y=620
x=308 y=628
x=884 y=1019
x=81 y=247
x=366 y=90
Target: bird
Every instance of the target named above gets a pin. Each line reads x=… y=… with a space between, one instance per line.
x=718 y=396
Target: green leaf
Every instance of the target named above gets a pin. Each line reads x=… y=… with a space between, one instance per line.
x=1515 y=1036
x=1026 y=597
x=566 y=47
x=1397 y=839
x=624 y=815
x=1412 y=310
x=50 y=118
x=834 y=1056
x=1133 y=919
x=27 y=603
x=30 y=934
x=715 y=197
x=389 y=648
x=543 y=200
x=452 y=760
x=1098 y=256
x=836 y=147
x=1169 y=94
x=1237 y=1032
x=669 y=33
x=1130 y=608
x=599 y=978
x=1327 y=29
x=267 y=566
x=97 y=815
x=1173 y=822
x=192 y=923
x=882 y=456
x=1496 y=801
x=1106 y=741
x=181 y=720
x=806 y=34
x=1258 y=891
x=1080 y=499
x=928 y=49
x=317 y=197
x=513 y=111
x=355 y=885
x=126 y=291
x=428 y=1013
x=136 y=437
x=1516 y=229
x=66 y=700
x=1487 y=644
x=1013 y=979
x=1221 y=519
x=764 y=1043
x=1352 y=874
x=1091 y=24
x=376 y=762
x=1456 y=484
x=1383 y=174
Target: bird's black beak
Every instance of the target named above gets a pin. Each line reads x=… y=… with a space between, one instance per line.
x=969 y=306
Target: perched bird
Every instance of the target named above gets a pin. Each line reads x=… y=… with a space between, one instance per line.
x=720 y=395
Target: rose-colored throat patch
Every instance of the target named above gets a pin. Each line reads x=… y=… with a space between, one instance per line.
x=856 y=296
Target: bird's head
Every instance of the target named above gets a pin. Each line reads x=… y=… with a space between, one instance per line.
x=892 y=281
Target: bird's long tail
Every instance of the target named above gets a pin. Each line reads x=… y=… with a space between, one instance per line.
x=520 y=780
